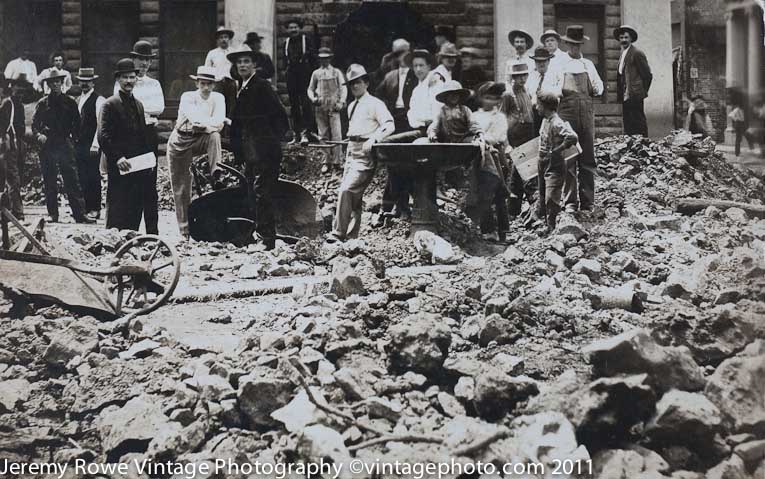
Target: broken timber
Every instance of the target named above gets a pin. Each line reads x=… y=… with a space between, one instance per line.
x=689 y=206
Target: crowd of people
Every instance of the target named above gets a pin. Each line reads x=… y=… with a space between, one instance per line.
x=414 y=96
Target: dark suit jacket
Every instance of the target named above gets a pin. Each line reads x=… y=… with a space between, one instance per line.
x=258 y=115
x=637 y=75
x=120 y=137
x=387 y=91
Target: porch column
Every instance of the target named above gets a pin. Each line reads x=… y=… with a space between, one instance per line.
x=653 y=19
x=754 y=52
x=510 y=15
x=244 y=16
x=730 y=67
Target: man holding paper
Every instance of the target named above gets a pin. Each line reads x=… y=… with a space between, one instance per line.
x=125 y=143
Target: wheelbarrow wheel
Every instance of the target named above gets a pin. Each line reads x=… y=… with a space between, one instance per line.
x=141 y=294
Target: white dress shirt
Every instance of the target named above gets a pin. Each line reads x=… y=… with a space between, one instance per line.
x=552 y=82
x=621 y=59
x=402 y=73
x=444 y=72
x=525 y=58
x=369 y=118
x=42 y=85
x=18 y=66
x=217 y=59
x=423 y=107
x=557 y=61
x=149 y=92
x=583 y=65
x=99 y=103
x=210 y=112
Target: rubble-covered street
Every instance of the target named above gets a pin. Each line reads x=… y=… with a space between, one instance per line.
x=630 y=343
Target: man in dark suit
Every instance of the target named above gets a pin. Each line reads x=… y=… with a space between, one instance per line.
x=633 y=81
x=396 y=92
x=86 y=149
x=258 y=123
x=123 y=134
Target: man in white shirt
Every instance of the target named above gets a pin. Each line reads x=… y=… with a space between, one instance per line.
x=581 y=82
x=551 y=41
x=447 y=58
x=543 y=78
x=58 y=62
x=522 y=43
x=216 y=59
x=197 y=131
x=87 y=148
x=423 y=107
x=22 y=65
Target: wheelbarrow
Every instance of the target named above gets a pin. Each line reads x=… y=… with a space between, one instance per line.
x=224 y=215
x=140 y=278
x=423 y=161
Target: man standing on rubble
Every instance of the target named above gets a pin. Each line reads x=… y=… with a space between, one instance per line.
x=258 y=123
x=12 y=147
x=633 y=81
x=301 y=62
x=87 y=148
x=216 y=58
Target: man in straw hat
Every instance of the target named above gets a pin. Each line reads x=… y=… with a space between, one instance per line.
x=123 y=134
x=12 y=147
x=56 y=125
x=550 y=40
x=520 y=118
x=301 y=61
x=58 y=67
x=197 y=131
x=216 y=59
x=581 y=82
x=327 y=92
x=632 y=82
x=148 y=91
x=521 y=42
x=369 y=122
x=87 y=149
x=447 y=59
x=258 y=123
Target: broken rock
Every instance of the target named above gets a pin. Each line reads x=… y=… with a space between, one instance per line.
x=684 y=418
x=736 y=388
x=497 y=393
x=259 y=396
x=132 y=427
x=78 y=339
x=345 y=281
x=420 y=343
x=12 y=393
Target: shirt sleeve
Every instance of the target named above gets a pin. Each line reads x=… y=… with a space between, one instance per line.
x=385 y=119
x=595 y=81
x=343 y=88
x=474 y=127
x=99 y=103
x=312 y=87
x=67 y=82
x=8 y=73
x=435 y=125
x=209 y=59
x=154 y=103
x=565 y=131
x=219 y=113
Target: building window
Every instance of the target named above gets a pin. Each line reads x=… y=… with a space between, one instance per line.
x=109 y=30
x=592 y=18
x=34 y=25
x=188 y=33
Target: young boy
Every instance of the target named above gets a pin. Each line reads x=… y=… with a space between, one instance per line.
x=327 y=92
x=555 y=136
x=520 y=118
x=488 y=180
x=454 y=122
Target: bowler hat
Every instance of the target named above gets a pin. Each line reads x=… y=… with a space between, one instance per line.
x=420 y=53
x=125 y=65
x=626 y=28
x=491 y=88
x=575 y=34
x=448 y=50
x=252 y=37
x=86 y=74
x=520 y=33
x=519 y=68
x=205 y=73
x=549 y=33
x=143 y=49
x=325 y=52
x=453 y=86
x=355 y=71
x=242 y=51
x=224 y=31
x=446 y=32
x=541 y=54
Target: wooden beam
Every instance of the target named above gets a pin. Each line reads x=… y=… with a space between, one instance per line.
x=689 y=206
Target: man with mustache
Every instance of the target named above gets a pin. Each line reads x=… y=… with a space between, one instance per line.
x=633 y=81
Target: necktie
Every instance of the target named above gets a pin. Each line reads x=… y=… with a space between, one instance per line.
x=541 y=80
x=353 y=110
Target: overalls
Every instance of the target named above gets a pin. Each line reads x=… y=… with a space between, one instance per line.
x=576 y=108
x=328 y=112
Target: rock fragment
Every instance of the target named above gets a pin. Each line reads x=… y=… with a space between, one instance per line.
x=420 y=343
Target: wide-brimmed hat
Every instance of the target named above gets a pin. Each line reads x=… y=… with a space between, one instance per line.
x=575 y=34
x=520 y=33
x=453 y=86
x=541 y=54
x=242 y=51
x=143 y=49
x=296 y=20
x=86 y=74
x=473 y=52
x=401 y=45
x=519 y=68
x=205 y=73
x=355 y=71
x=55 y=75
x=491 y=88
x=223 y=30
x=444 y=31
x=626 y=28
x=252 y=37
x=20 y=80
x=125 y=65
x=549 y=33
x=420 y=53
x=448 y=49
x=325 y=52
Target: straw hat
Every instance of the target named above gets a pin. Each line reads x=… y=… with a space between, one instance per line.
x=448 y=50
x=86 y=74
x=355 y=71
x=325 y=52
x=242 y=51
x=626 y=28
x=224 y=31
x=549 y=33
x=453 y=86
x=520 y=33
x=205 y=73
x=519 y=68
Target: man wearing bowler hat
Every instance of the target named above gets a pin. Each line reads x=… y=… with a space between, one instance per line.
x=56 y=125
x=124 y=134
x=197 y=131
x=522 y=43
x=265 y=65
x=148 y=91
x=216 y=59
x=543 y=79
x=632 y=82
x=12 y=146
x=87 y=148
x=258 y=123
x=301 y=62
x=581 y=82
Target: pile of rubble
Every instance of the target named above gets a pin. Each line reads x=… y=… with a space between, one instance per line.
x=631 y=337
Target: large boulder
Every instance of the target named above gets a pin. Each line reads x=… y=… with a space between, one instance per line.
x=260 y=395
x=420 y=343
x=132 y=427
x=687 y=419
x=78 y=339
x=736 y=388
x=635 y=352
x=497 y=393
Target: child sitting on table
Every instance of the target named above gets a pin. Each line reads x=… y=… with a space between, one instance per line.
x=454 y=122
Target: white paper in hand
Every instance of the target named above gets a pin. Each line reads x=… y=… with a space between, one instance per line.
x=140 y=163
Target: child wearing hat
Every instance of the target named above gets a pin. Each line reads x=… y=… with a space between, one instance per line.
x=488 y=186
x=555 y=136
x=327 y=92
x=454 y=122
x=520 y=118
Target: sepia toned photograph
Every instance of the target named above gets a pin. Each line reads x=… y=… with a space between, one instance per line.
x=382 y=239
